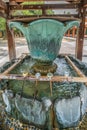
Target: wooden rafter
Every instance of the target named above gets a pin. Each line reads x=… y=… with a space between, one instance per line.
x=45 y=6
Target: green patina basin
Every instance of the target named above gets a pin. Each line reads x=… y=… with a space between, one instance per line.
x=44 y=37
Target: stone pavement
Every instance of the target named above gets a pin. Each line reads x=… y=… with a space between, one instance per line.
x=67 y=47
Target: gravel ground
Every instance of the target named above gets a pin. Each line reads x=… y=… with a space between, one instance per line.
x=67 y=47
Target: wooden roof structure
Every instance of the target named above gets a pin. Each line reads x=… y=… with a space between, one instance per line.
x=9 y=6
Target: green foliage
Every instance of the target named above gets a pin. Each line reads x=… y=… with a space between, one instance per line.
x=2 y=24
x=31 y=12
x=50 y=12
x=29 y=3
x=24 y=12
x=27 y=12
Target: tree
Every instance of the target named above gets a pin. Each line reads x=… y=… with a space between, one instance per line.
x=3 y=26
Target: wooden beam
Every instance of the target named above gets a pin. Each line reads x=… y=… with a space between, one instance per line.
x=77 y=70
x=14 y=65
x=19 y=1
x=11 y=43
x=45 y=6
x=29 y=19
x=45 y=15
x=74 y=67
x=18 y=61
x=44 y=78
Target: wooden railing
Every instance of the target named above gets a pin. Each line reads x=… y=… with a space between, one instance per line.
x=73 y=32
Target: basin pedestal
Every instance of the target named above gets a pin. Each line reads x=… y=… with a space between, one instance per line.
x=44 y=68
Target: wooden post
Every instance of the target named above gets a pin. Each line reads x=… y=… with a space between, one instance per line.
x=80 y=38
x=73 y=32
x=68 y=33
x=43 y=11
x=11 y=43
x=10 y=38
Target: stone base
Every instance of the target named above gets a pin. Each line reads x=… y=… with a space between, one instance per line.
x=44 y=69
